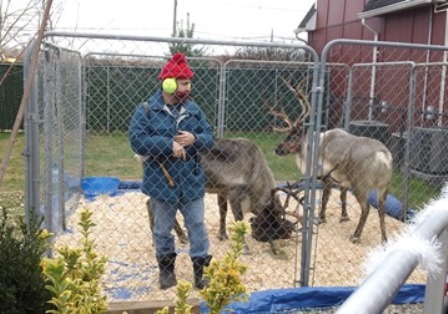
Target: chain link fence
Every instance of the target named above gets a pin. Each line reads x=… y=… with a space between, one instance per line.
x=11 y=92
x=392 y=100
x=95 y=84
x=89 y=86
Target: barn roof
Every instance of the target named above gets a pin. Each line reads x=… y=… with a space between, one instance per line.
x=382 y=7
x=308 y=16
x=309 y=21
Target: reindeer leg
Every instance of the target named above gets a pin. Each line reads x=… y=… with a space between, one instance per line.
x=362 y=199
x=222 y=203
x=344 y=215
x=177 y=228
x=381 y=201
x=274 y=247
x=180 y=232
x=325 y=197
x=236 y=197
x=150 y=215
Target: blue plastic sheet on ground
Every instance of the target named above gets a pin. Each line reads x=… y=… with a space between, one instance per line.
x=276 y=300
x=130 y=185
x=392 y=206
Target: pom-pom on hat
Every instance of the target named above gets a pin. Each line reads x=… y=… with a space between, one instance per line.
x=176 y=67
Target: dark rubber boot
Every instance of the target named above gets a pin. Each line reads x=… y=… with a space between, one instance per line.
x=198 y=266
x=166 y=267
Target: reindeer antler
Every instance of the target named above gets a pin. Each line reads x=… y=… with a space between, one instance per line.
x=290 y=191
x=304 y=103
x=282 y=115
x=302 y=97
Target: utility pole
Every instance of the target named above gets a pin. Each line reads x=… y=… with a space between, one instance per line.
x=174 y=18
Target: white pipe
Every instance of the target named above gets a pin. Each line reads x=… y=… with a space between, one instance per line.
x=374 y=60
x=443 y=78
x=379 y=289
x=428 y=52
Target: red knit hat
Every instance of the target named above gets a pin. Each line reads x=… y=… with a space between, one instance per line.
x=176 y=67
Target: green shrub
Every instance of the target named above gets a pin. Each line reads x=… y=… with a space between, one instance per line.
x=225 y=275
x=22 y=285
x=74 y=277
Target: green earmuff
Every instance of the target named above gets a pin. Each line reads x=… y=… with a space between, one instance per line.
x=169 y=85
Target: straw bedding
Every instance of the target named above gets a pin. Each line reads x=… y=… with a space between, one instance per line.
x=122 y=233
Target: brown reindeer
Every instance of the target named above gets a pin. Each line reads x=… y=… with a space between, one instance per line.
x=358 y=163
x=237 y=171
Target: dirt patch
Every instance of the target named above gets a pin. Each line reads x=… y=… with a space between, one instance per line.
x=122 y=233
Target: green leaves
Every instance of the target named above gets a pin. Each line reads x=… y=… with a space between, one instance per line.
x=74 y=277
x=225 y=275
x=22 y=286
x=226 y=284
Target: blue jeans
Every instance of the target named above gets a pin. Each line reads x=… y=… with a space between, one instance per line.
x=193 y=213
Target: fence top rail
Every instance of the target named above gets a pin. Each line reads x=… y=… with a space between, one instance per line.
x=183 y=40
x=370 y=64
x=390 y=44
x=54 y=46
x=335 y=64
x=173 y=40
x=113 y=54
x=431 y=64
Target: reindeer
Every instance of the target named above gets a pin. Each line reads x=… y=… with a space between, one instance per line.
x=358 y=163
x=237 y=171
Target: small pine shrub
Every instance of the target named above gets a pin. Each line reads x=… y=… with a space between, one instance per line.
x=74 y=277
x=225 y=275
x=22 y=285
x=181 y=307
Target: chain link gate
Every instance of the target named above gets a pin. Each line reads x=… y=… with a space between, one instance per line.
x=85 y=92
x=400 y=100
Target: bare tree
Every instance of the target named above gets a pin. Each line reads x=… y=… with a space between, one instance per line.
x=19 y=22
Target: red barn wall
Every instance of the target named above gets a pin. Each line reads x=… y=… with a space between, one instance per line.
x=339 y=19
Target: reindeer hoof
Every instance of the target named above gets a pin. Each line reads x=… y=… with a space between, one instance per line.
x=222 y=236
x=321 y=220
x=355 y=239
x=344 y=218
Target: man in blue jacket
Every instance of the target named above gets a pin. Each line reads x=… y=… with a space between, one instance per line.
x=170 y=130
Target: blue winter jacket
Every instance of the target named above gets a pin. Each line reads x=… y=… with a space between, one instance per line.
x=151 y=134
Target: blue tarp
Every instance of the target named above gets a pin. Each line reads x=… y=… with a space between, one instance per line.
x=392 y=206
x=276 y=300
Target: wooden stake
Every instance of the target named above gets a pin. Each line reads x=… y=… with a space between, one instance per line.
x=26 y=94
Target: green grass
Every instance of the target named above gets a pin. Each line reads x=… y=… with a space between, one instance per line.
x=419 y=191
x=13 y=185
x=111 y=155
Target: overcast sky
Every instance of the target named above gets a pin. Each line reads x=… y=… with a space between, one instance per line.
x=217 y=19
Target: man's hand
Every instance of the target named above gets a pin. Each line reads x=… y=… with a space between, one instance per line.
x=179 y=151
x=185 y=138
